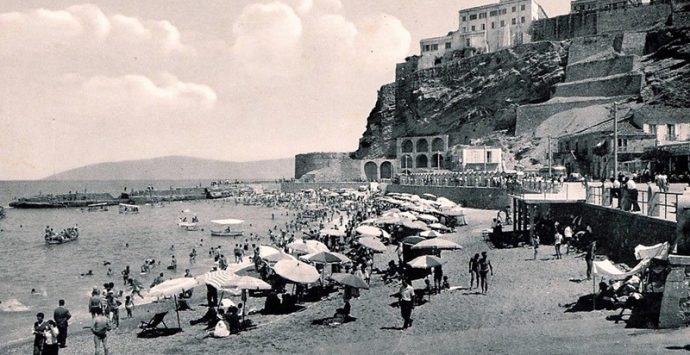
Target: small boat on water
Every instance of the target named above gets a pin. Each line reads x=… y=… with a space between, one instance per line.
x=65 y=236
x=228 y=227
x=128 y=209
x=188 y=226
x=97 y=207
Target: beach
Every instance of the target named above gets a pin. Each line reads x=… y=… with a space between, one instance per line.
x=523 y=311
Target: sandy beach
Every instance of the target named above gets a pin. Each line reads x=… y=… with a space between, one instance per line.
x=523 y=312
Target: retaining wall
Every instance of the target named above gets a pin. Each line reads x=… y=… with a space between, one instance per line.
x=633 y=18
x=531 y=116
x=601 y=68
x=615 y=85
x=299 y=186
x=474 y=197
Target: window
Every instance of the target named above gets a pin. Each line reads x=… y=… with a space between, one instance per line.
x=493 y=12
x=464 y=29
x=434 y=47
x=671 y=129
x=503 y=23
x=473 y=17
x=488 y=157
x=522 y=19
x=482 y=15
x=504 y=11
x=652 y=129
x=464 y=19
x=493 y=25
x=473 y=28
x=467 y=42
x=514 y=21
x=426 y=48
x=483 y=27
x=513 y=9
x=447 y=45
x=522 y=7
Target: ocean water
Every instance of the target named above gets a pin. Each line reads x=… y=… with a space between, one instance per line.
x=54 y=270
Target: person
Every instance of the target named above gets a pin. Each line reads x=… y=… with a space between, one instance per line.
x=94 y=302
x=50 y=335
x=438 y=278
x=484 y=268
x=100 y=328
x=632 y=188
x=535 y=245
x=39 y=339
x=113 y=306
x=589 y=258
x=474 y=270
x=62 y=316
x=446 y=284
x=158 y=280
x=567 y=238
x=406 y=294
x=129 y=306
x=173 y=264
x=136 y=287
x=125 y=274
x=558 y=240
x=187 y=273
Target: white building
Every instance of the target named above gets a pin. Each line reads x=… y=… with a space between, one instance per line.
x=486 y=28
x=480 y=158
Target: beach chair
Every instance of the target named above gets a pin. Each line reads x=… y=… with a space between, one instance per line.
x=151 y=328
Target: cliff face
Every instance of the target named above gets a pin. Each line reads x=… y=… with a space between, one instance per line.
x=467 y=98
x=667 y=68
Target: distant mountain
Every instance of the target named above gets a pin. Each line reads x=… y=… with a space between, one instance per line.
x=181 y=168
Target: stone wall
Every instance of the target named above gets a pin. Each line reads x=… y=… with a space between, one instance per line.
x=598 y=69
x=531 y=116
x=615 y=85
x=618 y=232
x=582 y=48
x=560 y=28
x=474 y=197
x=299 y=186
x=329 y=166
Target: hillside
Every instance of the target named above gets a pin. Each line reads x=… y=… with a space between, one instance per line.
x=180 y=168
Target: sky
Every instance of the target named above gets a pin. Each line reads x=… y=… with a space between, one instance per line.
x=235 y=80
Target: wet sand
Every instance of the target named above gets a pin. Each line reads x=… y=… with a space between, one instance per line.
x=521 y=314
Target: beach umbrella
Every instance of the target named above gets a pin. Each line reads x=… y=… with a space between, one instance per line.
x=427 y=218
x=444 y=202
x=389 y=219
x=324 y=257
x=390 y=211
x=413 y=240
x=429 y=196
x=426 y=262
x=296 y=271
x=439 y=226
x=333 y=232
x=416 y=225
x=349 y=280
x=408 y=215
x=265 y=251
x=217 y=278
x=172 y=288
x=300 y=246
x=372 y=243
x=453 y=212
x=369 y=231
x=437 y=243
x=248 y=283
x=274 y=258
x=343 y=258
x=430 y=234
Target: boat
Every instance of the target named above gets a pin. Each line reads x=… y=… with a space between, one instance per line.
x=77 y=199
x=66 y=236
x=128 y=209
x=188 y=226
x=97 y=207
x=229 y=228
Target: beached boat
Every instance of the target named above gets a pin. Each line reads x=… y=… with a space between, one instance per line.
x=66 y=236
x=97 y=207
x=228 y=227
x=124 y=208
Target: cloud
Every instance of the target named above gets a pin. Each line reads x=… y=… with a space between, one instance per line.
x=43 y=30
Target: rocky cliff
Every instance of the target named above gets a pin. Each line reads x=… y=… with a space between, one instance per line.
x=466 y=98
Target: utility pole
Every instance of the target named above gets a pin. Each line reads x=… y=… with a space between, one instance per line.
x=550 y=158
x=615 y=140
x=485 y=158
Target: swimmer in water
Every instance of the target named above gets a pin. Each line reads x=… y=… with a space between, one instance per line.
x=88 y=273
x=34 y=292
x=126 y=245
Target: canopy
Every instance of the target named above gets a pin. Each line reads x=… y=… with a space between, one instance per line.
x=217 y=279
x=349 y=280
x=658 y=251
x=372 y=243
x=173 y=287
x=296 y=271
x=426 y=262
x=430 y=234
x=369 y=231
x=437 y=243
x=333 y=232
x=606 y=268
x=413 y=239
x=439 y=226
x=229 y=221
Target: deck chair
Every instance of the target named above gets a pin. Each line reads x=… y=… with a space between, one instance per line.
x=150 y=329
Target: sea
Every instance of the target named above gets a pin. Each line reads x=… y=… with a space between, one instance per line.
x=54 y=271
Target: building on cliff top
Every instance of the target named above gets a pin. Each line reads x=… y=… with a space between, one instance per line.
x=601 y=5
x=483 y=29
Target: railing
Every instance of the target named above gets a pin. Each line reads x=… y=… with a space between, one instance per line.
x=652 y=201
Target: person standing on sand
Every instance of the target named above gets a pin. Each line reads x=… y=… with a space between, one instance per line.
x=484 y=268
x=51 y=335
x=589 y=257
x=474 y=270
x=100 y=328
x=61 y=316
x=535 y=245
x=39 y=338
x=406 y=293
x=558 y=240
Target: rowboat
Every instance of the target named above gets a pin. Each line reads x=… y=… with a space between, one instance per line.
x=227 y=227
x=128 y=209
x=97 y=207
x=188 y=226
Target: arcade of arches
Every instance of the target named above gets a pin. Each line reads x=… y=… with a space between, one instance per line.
x=374 y=171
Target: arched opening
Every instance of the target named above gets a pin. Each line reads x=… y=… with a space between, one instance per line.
x=371 y=170
x=406 y=162
x=422 y=145
x=386 y=170
x=407 y=146
x=437 y=145
x=437 y=161
x=421 y=162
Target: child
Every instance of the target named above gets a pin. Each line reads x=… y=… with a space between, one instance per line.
x=446 y=284
x=129 y=305
x=535 y=244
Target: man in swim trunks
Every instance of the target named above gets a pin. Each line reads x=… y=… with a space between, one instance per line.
x=484 y=268
x=474 y=270
x=100 y=328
